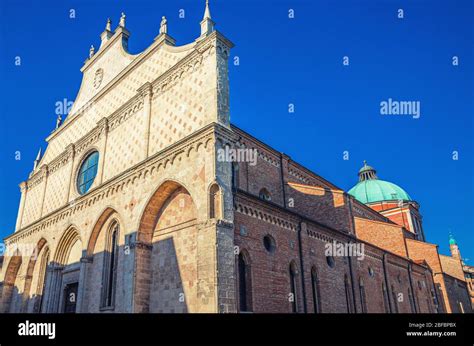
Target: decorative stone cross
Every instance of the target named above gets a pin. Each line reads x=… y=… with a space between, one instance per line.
x=163 y=25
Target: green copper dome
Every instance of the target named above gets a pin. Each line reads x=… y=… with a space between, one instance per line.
x=370 y=189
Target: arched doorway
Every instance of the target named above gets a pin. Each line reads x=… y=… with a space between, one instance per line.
x=63 y=276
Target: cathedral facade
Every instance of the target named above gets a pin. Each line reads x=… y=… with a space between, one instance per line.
x=131 y=208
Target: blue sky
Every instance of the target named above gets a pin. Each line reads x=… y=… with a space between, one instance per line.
x=282 y=61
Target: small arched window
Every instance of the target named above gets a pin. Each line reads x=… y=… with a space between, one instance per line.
x=245 y=288
x=110 y=267
x=363 y=299
x=265 y=195
x=214 y=202
x=293 y=288
x=315 y=291
x=348 y=294
x=87 y=172
x=235 y=175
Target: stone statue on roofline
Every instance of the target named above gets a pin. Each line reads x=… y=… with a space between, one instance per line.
x=163 y=25
x=122 y=20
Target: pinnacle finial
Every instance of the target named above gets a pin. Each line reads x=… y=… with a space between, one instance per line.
x=37 y=160
x=91 y=51
x=38 y=156
x=108 y=25
x=365 y=163
x=207 y=12
x=207 y=25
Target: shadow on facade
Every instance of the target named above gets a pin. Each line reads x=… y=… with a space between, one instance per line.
x=93 y=285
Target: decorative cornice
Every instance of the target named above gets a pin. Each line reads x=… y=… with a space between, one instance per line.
x=261 y=214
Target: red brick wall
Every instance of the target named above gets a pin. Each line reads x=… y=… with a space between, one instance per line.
x=384 y=235
x=452 y=266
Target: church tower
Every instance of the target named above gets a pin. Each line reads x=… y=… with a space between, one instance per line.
x=454 y=248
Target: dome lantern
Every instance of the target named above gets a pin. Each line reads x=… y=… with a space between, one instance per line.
x=371 y=189
x=367 y=172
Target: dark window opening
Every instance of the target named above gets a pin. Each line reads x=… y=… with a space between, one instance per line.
x=110 y=269
x=348 y=294
x=244 y=284
x=265 y=195
x=315 y=290
x=269 y=243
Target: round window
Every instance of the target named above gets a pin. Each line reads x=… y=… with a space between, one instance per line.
x=269 y=243
x=87 y=172
x=330 y=261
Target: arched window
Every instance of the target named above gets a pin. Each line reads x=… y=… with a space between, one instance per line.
x=265 y=195
x=315 y=290
x=245 y=287
x=235 y=175
x=110 y=267
x=214 y=202
x=348 y=294
x=363 y=299
x=293 y=286
x=87 y=172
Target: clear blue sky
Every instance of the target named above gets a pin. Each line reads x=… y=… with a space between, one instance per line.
x=282 y=61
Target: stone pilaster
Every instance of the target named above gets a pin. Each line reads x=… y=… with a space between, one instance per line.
x=71 y=155
x=103 y=125
x=82 y=288
x=24 y=191
x=146 y=91
x=139 y=259
x=44 y=172
x=226 y=285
